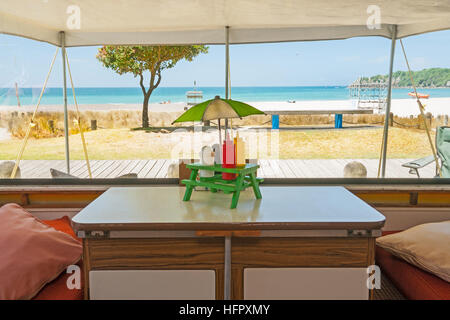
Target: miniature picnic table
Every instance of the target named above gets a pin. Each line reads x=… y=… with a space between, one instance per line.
x=245 y=177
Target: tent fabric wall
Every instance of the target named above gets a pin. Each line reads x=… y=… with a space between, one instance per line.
x=204 y=21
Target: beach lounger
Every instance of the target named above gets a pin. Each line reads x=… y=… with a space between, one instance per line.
x=443 y=153
x=59 y=174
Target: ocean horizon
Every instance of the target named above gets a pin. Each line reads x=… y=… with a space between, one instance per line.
x=133 y=95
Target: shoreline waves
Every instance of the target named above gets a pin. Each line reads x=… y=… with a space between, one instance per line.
x=133 y=95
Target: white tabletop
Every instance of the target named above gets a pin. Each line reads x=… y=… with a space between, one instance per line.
x=283 y=207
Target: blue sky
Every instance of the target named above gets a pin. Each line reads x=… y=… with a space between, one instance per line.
x=336 y=62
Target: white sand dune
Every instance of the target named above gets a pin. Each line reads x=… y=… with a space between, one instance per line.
x=4 y=134
x=400 y=107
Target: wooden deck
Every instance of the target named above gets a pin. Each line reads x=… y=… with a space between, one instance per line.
x=290 y=168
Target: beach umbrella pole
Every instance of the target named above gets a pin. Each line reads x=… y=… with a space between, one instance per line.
x=220 y=135
x=227 y=74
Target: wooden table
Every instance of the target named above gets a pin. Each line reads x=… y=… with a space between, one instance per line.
x=245 y=177
x=294 y=243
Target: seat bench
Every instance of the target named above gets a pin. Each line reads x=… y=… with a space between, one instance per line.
x=414 y=283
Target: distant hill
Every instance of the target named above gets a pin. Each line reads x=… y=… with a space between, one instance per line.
x=426 y=78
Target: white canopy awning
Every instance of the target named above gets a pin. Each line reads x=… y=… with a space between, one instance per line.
x=98 y=22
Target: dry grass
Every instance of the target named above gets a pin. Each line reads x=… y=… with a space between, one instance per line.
x=301 y=144
x=352 y=143
x=17 y=122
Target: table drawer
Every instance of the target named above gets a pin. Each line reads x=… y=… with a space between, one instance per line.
x=302 y=252
x=305 y=283
x=152 y=284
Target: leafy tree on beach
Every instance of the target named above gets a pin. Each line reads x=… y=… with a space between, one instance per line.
x=426 y=78
x=139 y=59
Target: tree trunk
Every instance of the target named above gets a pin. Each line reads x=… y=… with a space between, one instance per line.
x=147 y=94
x=145 y=123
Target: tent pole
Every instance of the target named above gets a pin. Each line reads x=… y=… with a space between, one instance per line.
x=66 y=118
x=227 y=61
x=388 y=105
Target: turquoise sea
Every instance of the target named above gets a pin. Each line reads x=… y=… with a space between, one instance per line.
x=53 y=96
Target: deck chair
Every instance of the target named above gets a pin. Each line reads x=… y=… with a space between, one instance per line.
x=443 y=153
x=59 y=174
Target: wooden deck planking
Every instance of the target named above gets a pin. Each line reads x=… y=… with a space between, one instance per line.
x=28 y=166
x=268 y=172
x=285 y=169
x=110 y=168
x=275 y=166
x=141 y=164
x=270 y=168
x=82 y=171
x=77 y=164
x=96 y=168
x=146 y=169
x=154 y=171
x=131 y=167
x=44 y=170
x=298 y=172
x=117 y=171
x=309 y=170
x=163 y=173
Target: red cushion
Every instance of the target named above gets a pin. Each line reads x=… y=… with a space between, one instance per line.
x=414 y=283
x=62 y=224
x=57 y=289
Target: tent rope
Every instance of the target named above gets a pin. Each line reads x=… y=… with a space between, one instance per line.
x=381 y=156
x=32 y=124
x=421 y=109
x=78 y=120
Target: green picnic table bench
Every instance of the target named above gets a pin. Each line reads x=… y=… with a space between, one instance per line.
x=245 y=177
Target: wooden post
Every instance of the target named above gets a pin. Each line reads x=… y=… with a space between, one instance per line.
x=420 y=122
x=391 y=119
x=446 y=120
x=17 y=95
x=51 y=125
x=93 y=125
x=429 y=119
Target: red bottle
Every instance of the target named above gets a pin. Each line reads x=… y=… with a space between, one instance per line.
x=228 y=158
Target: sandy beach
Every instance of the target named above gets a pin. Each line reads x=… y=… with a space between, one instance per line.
x=400 y=107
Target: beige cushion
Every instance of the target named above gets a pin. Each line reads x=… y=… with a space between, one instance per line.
x=426 y=246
